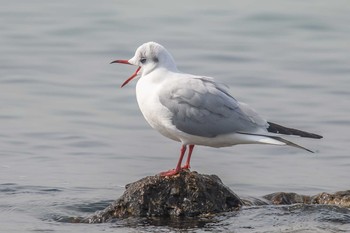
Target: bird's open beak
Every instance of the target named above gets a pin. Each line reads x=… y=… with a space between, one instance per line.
x=132 y=76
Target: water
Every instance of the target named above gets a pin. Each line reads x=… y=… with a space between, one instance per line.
x=71 y=138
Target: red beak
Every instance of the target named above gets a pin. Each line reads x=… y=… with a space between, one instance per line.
x=132 y=76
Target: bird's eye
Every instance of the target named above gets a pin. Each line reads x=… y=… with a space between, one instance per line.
x=143 y=60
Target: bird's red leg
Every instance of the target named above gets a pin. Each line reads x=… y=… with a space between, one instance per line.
x=178 y=166
x=187 y=164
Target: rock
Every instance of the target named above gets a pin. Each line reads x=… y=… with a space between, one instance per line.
x=282 y=198
x=187 y=194
x=341 y=198
x=253 y=201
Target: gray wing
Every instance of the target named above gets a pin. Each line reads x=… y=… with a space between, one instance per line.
x=202 y=107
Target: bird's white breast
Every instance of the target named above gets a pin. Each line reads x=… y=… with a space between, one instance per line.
x=147 y=94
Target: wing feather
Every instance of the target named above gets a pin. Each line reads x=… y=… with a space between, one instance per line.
x=202 y=107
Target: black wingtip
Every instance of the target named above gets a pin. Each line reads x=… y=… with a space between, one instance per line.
x=276 y=128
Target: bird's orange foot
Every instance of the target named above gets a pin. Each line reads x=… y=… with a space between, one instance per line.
x=171 y=172
x=186 y=167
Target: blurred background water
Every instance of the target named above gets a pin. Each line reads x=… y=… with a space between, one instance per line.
x=71 y=138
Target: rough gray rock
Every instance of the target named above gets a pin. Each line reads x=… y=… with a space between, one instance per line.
x=341 y=198
x=187 y=194
x=282 y=198
x=190 y=194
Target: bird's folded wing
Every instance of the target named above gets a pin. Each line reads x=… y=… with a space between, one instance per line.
x=202 y=107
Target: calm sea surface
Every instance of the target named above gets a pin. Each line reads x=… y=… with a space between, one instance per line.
x=71 y=138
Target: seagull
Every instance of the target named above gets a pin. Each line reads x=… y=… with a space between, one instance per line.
x=197 y=110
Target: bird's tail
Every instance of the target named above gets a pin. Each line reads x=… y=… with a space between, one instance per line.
x=275 y=128
x=272 y=140
x=289 y=143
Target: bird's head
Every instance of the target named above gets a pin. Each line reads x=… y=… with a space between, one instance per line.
x=148 y=57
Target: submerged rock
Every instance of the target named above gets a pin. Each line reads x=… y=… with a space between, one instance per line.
x=282 y=198
x=187 y=194
x=341 y=198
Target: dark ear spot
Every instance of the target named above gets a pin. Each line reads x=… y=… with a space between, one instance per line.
x=155 y=59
